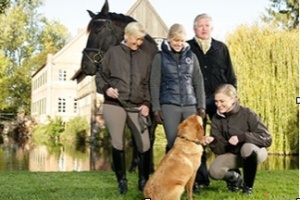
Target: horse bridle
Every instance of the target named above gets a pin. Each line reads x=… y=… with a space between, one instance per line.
x=97 y=58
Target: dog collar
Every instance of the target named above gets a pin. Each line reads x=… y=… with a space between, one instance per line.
x=182 y=137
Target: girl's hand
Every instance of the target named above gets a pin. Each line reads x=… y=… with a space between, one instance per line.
x=233 y=140
x=208 y=140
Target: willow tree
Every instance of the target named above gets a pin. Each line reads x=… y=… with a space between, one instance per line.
x=3 y=5
x=266 y=64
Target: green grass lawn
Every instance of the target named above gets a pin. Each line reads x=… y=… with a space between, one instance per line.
x=101 y=185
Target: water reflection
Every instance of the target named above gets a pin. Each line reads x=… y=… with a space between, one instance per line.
x=25 y=155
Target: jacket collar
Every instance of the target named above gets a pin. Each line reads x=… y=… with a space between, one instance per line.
x=165 y=45
x=236 y=108
x=127 y=49
x=213 y=46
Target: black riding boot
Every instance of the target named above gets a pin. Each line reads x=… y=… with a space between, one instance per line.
x=249 y=171
x=144 y=169
x=233 y=180
x=135 y=157
x=167 y=149
x=118 y=157
x=202 y=177
x=152 y=129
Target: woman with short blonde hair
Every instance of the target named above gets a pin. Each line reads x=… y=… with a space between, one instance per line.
x=124 y=82
x=135 y=29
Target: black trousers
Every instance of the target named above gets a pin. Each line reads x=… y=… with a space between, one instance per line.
x=202 y=177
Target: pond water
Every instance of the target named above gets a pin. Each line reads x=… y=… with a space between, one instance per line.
x=27 y=156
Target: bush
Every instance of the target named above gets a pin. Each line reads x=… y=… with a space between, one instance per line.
x=43 y=133
x=75 y=130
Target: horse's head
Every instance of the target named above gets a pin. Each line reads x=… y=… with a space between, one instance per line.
x=106 y=29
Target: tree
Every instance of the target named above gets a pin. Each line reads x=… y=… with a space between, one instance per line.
x=26 y=39
x=283 y=13
x=266 y=63
x=3 y=5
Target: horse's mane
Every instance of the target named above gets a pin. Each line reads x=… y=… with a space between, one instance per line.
x=121 y=17
x=112 y=16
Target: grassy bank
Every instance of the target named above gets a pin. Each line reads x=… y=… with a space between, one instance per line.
x=101 y=185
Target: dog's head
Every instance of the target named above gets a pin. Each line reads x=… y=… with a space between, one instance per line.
x=192 y=129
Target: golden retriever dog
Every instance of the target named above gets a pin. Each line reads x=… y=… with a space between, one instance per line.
x=178 y=168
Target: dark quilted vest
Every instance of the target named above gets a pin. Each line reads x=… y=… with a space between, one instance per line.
x=177 y=86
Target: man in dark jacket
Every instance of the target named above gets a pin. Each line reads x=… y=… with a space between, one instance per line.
x=216 y=68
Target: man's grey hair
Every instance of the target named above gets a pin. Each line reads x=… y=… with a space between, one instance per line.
x=201 y=16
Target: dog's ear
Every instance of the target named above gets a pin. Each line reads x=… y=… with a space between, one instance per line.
x=200 y=133
x=186 y=124
x=199 y=119
x=181 y=127
x=200 y=129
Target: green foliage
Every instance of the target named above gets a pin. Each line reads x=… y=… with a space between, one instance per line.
x=76 y=130
x=3 y=5
x=39 y=134
x=266 y=64
x=283 y=13
x=48 y=133
x=26 y=39
x=55 y=127
x=56 y=134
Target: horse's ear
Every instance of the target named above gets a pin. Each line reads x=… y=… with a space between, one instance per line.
x=105 y=8
x=91 y=14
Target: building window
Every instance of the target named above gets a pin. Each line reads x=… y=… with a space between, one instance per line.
x=75 y=105
x=62 y=75
x=61 y=105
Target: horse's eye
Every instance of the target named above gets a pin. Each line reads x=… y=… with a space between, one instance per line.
x=98 y=30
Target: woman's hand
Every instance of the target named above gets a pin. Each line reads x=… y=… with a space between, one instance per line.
x=201 y=113
x=113 y=93
x=233 y=140
x=158 y=116
x=208 y=140
x=144 y=110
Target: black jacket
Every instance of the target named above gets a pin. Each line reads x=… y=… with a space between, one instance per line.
x=129 y=72
x=241 y=122
x=215 y=65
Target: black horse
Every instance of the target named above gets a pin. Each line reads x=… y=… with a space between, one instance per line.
x=106 y=29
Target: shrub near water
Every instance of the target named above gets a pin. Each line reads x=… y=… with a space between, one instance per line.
x=44 y=133
x=75 y=130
